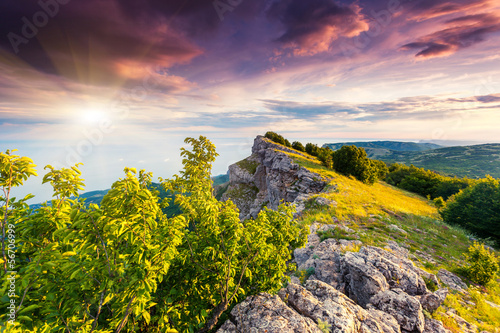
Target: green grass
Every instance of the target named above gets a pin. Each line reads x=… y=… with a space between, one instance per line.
x=248 y=165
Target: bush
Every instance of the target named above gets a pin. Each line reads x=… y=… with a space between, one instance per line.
x=477 y=208
x=298 y=146
x=312 y=149
x=353 y=161
x=287 y=143
x=275 y=137
x=482 y=265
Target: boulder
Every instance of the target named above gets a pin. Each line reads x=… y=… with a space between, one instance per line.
x=320 y=301
x=391 y=267
x=267 y=313
x=432 y=301
x=451 y=280
x=405 y=308
x=361 y=279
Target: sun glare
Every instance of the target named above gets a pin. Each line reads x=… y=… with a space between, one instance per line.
x=92 y=115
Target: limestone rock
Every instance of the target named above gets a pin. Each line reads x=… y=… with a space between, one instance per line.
x=268 y=177
x=432 y=301
x=390 y=266
x=405 y=308
x=451 y=280
x=320 y=301
x=362 y=279
x=465 y=326
x=434 y=326
x=266 y=313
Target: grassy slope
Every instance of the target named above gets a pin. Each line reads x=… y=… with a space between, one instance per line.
x=380 y=212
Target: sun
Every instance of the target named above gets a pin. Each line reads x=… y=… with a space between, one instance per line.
x=92 y=115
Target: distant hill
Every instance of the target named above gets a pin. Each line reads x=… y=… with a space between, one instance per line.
x=471 y=161
x=474 y=161
x=386 y=145
x=172 y=210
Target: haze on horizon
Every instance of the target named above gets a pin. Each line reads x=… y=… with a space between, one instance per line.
x=121 y=83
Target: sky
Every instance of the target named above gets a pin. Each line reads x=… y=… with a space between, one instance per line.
x=113 y=83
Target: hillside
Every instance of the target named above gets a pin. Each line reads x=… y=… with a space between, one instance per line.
x=386 y=145
x=365 y=240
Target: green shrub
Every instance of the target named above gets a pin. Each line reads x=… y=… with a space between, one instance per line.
x=353 y=161
x=477 y=208
x=275 y=137
x=482 y=265
x=312 y=149
x=288 y=144
x=298 y=146
x=324 y=326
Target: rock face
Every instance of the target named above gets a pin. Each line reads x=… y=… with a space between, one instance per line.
x=352 y=289
x=267 y=177
x=405 y=308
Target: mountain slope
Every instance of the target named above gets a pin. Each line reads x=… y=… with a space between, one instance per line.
x=369 y=244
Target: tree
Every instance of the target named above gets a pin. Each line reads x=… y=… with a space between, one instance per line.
x=476 y=208
x=222 y=259
x=126 y=266
x=312 y=149
x=326 y=158
x=298 y=146
x=353 y=161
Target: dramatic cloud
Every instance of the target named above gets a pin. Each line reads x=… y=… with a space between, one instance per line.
x=419 y=107
x=458 y=32
x=90 y=42
x=311 y=27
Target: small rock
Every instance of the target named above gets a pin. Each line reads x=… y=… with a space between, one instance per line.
x=398 y=229
x=434 y=326
x=321 y=201
x=464 y=324
x=493 y=305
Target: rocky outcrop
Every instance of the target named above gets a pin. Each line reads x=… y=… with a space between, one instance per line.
x=266 y=313
x=405 y=308
x=451 y=280
x=268 y=177
x=351 y=289
x=432 y=301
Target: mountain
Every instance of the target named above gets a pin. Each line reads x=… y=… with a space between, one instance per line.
x=386 y=145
